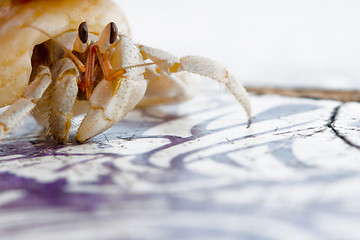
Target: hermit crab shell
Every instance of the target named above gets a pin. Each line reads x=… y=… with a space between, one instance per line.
x=18 y=38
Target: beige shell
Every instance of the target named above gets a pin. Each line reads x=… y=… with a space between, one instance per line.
x=17 y=39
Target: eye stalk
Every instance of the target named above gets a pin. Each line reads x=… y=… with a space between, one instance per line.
x=82 y=38
x=107 y=37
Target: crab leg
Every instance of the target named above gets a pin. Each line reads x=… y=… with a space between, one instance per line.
x=112 y=100
x=201 y=66
x=167 y=88
x=22 y=107
x=64 y=92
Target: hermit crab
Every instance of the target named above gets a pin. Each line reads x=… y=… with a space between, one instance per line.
x=63 y=58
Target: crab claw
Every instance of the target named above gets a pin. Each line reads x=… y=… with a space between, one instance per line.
x=107 y=109
x=109 y=102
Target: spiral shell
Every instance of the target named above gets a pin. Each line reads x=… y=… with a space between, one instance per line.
x=17 y=39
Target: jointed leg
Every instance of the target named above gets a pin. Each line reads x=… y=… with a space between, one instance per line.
x=165 y=88
x=202 y=66
x=22 y=107
x=64 y=92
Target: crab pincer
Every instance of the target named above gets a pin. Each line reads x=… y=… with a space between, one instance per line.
x=112 y=99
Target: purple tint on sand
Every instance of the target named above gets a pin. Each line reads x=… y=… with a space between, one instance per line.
x=52 y=194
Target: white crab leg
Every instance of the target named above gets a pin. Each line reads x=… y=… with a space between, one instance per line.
x=108 y=106
x=65 y=76
x=202 y=66
x=165 y=88
x=22 y=107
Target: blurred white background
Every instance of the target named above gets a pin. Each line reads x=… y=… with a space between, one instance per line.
x=311 y=43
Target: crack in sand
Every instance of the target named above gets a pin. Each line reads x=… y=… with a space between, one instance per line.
x=331 y=125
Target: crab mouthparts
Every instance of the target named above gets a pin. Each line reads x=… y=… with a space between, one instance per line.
x=87 y=82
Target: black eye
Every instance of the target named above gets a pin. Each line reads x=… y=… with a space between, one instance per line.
x=83 y=32
x=113 y=32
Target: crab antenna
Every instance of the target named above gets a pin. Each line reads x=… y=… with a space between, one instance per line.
x=144 y=64
x=67 y=51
